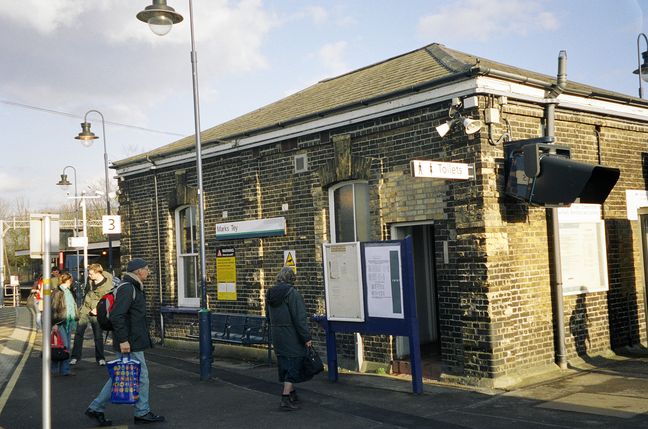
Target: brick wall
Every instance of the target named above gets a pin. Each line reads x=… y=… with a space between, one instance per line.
x=494 y=294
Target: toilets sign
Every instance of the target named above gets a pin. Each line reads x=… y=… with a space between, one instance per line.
x=442 y=170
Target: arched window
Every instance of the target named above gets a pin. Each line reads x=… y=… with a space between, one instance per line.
x=349 y=207
x=187 y=254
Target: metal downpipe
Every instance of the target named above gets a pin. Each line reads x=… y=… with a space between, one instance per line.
x=552 y=214
x=159 y=246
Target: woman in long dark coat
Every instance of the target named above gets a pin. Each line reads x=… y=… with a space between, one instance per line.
x=290 y=334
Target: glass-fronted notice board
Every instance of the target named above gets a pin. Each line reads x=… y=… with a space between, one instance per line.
x=343 y=282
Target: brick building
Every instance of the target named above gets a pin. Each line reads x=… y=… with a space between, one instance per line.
x=334 y=161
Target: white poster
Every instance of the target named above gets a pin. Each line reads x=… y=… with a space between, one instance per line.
x=582 y=249
x=384 y=281
x=343 y=282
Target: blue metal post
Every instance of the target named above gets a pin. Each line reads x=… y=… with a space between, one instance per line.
x=204 y=318
x=331 y=355
x=410 y=314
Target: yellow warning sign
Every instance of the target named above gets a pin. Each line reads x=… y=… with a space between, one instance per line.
x=290 y=260
x=226 y=274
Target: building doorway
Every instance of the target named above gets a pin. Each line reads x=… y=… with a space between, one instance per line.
x=642 y=212
x=427 y=311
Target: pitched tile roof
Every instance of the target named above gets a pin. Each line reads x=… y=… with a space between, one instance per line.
x=407 y=73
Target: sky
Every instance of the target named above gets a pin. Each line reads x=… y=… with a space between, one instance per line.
x=62 y=58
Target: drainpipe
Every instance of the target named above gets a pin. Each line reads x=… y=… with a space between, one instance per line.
x=159 y=247
x=551 y=98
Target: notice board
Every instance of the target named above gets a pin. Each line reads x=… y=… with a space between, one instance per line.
x=343 y=282
x=384 y=280
x=582 y=249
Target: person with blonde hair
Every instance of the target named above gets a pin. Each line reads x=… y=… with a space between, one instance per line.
x=100 y=284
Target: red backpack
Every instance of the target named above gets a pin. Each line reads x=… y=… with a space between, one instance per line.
x=106 y=304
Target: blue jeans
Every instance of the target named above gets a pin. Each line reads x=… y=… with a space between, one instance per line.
x=63 y=366
x=142 y=405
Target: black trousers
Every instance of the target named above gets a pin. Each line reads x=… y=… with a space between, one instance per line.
x=82 y=324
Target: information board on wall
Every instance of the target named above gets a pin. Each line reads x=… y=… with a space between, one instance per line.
x=226 y=274
x=384 y=280
x=582 y=249
x=343 y=282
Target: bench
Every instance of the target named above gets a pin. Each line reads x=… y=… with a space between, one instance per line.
x=234 y=328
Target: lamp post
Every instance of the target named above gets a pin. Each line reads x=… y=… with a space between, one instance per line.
x=86 y=137
x=160 y=19
x=64 y=183
x=642 y=69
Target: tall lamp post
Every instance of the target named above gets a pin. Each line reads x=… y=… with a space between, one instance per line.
x=160 y=19
x=87 y=137
x=642 y=69
x=65 y=184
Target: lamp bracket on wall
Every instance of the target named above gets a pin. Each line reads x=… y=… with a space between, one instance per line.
x=470 y=126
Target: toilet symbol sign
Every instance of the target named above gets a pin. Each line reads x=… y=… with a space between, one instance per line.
x=290 y=260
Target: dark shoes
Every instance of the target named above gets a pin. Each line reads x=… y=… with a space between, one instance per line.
x=294 y=398
x=98 y=416
x=287 y=404
x=148 y=418
x=101 y=419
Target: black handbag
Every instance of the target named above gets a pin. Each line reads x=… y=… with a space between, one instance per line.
x=59 y=351
x=312 y=364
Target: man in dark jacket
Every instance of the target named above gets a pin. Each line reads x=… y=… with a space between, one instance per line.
x=290 y=334
x=130 y=335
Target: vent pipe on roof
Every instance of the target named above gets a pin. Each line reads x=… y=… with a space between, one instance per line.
x=551 y=95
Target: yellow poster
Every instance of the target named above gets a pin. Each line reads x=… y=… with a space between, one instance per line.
x=226 y=274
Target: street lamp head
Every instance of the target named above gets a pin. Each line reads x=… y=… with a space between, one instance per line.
x=159 y=17
x=86 y=136
x=644 y=67
x=64 y=183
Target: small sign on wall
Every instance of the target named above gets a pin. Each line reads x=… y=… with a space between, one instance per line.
x=290 y=260
x=635 y=199
x=226 y=274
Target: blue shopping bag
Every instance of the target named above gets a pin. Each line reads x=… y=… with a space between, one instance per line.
x=125 y=375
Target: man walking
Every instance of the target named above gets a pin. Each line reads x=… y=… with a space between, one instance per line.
x=130 y=335
x=100 y=284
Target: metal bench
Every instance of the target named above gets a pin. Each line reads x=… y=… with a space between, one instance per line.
x=234 y=328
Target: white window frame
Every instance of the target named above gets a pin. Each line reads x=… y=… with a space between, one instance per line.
x=182 y=299
x=332 y=190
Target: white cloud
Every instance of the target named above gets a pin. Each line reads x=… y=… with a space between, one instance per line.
x=485 y=20
x=44 y=17
x=102 y=55
x=317 y=13
x=332 y=57
x=10 y=184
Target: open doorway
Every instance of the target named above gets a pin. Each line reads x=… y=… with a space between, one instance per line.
x=642 y=212
x=422 y=234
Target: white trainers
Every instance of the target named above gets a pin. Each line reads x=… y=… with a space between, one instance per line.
x=73 y=361
x=102 y=362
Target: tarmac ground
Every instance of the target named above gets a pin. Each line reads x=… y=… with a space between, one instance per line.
x=609 y=392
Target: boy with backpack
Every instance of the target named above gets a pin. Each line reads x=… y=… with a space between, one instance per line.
x=130 y=335
x=100 y=283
